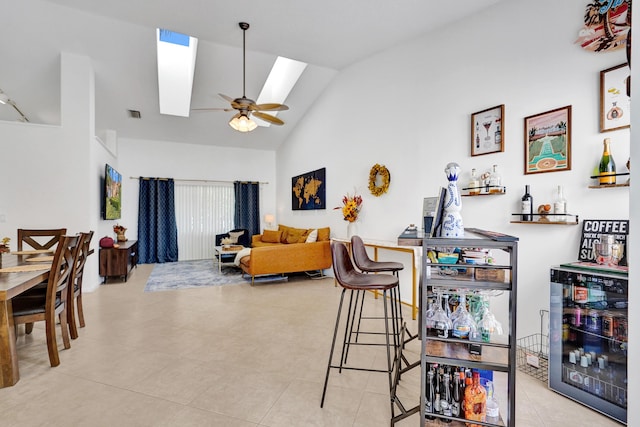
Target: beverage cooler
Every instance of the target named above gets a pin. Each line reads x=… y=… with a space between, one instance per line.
x=588 y=338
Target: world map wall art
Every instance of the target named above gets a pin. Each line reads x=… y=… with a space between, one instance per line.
x=308 y=191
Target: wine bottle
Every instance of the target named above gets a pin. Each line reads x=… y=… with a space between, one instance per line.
x=560 y=206
x=607 y=168
x=430 y=396
x=527 y=205
x=445 y=399
x=456 y=397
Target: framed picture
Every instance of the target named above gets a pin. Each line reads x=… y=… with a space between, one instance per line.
x=487 y=130
x=547 y=141
x=308 y=190
x=614 y=101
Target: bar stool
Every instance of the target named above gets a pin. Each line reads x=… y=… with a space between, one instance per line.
x=367 y=265
x=352 y=280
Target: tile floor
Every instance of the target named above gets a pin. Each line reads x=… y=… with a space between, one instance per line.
x=232 y=356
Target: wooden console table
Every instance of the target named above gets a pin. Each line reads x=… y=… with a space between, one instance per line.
x=118 y=262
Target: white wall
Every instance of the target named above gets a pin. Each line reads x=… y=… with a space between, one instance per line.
x=409 y=109
x=192 y=162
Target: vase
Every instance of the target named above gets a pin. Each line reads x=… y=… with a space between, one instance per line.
x=452 y=219
x=121 y=237
x=352 y=229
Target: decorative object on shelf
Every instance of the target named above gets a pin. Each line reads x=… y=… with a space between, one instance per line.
x=308 y=190
x=350 y=208
x=614 y=101
x=119 y=230
x=352 y=229
x=495 y=181
x=487 y=130
x=606 y=24
x=544 y=211
x=548 y=141
x=378 y=188
x=452 y=220
x=106 y=242
x=4 y=247
x=607 y=166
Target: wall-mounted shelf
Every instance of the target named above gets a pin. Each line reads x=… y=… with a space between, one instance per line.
x=626 y=184
x=546 y=219
x=489 y=190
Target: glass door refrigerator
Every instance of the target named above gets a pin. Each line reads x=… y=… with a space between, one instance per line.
x=588 y=337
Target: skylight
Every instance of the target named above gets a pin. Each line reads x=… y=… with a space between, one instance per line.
x=176 y=65
x=282 y=78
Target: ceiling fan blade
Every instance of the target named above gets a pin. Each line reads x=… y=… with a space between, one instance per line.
x=268 y=118
x=226 y=98
x=212 y=109
x=270 y=107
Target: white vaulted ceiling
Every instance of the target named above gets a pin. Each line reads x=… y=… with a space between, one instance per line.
x=119 y=37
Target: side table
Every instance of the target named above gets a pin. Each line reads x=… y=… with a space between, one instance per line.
x=226 y=255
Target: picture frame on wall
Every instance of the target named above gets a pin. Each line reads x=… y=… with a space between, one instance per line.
x=547 y=141
x=614 y=101
x=308 y=191
x=487 y=131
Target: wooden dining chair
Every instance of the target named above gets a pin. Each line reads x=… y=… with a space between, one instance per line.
x=35 y=308
x=39 y=239
x=75 y=286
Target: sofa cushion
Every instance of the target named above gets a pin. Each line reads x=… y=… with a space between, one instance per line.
x=284 y=229
x=294 y=235
x=312 y=237
x=323 y=234
x=271 y=236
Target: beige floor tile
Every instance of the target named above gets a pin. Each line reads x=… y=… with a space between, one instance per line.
x=231 y=356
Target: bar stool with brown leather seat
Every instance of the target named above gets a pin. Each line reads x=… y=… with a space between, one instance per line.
x=354 y=281
x=367 y=265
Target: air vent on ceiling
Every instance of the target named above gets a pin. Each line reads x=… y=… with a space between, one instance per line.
x=134 y=114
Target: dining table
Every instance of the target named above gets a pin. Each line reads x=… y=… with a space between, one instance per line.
x=19 y=272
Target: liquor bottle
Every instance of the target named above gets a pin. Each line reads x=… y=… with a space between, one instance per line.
x=493 y=409
x=560 y=206
x=527 y=205
x=474 y=184
x=475 y=401
x=607 y=168
x=430 y=395
x=495 y=181
x=456 y=396
x=445 y=399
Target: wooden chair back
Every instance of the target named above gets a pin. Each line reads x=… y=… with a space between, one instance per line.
x=39 y=239
x=75 y=285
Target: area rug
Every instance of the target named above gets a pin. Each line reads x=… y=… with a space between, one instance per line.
x=191 y=274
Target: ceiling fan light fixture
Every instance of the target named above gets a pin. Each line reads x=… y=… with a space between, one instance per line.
x=242 y=123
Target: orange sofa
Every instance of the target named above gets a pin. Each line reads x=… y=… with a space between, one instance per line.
x=286 y=251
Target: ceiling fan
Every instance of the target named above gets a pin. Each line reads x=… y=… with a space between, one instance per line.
x=247 y=107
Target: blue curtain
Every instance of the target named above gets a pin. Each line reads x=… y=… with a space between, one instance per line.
x=247 y=209
x=157 y=229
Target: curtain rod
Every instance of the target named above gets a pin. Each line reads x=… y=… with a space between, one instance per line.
x=194 y=180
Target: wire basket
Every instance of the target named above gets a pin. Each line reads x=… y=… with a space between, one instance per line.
x=533 y=353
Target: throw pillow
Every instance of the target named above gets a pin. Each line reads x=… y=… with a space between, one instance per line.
x=293 y=235
x=234 y=235
x=271 y=236
x=312 y=237
x=285 y=230
x=304 y=235
x=323 y=234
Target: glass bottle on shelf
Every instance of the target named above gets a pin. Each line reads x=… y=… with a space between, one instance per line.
x=456 y=396
x=474 y=184
x=441 y=322
x=493 y=409
x=475 y=401
x=445 y=398
x=527 y=205
x=560 y=206
x=495 y=181
x=607 y=168
x=430 y=395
